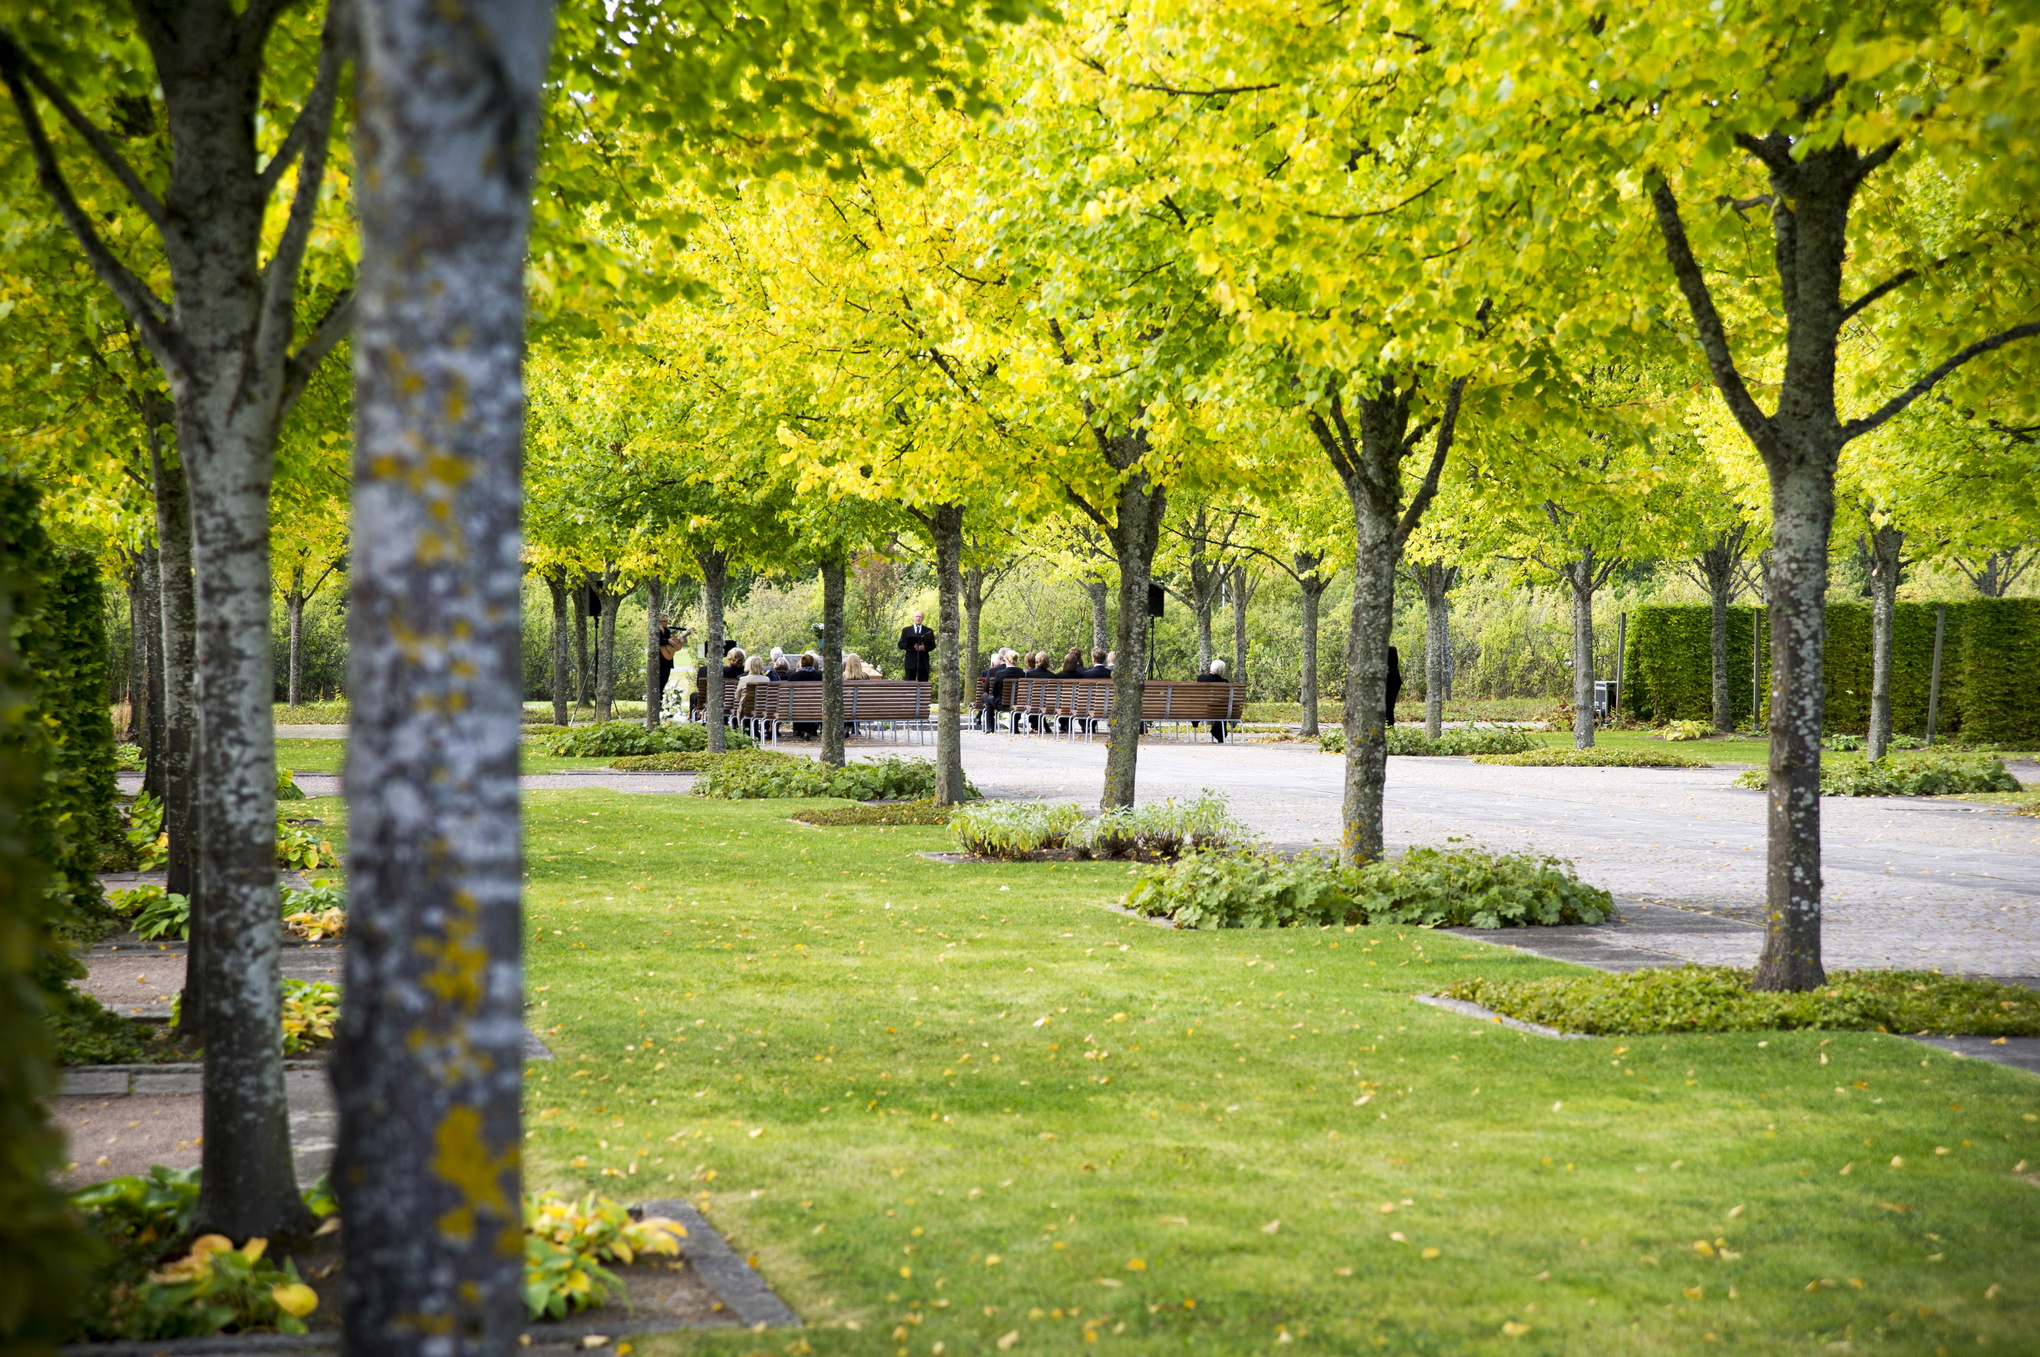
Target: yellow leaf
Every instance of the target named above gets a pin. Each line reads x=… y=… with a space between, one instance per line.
x=1513 y=1329
x=1694 y=1292
x=1430 y=1253
x=295 y=1299
x=1008 y=1340
x=1136 y=1265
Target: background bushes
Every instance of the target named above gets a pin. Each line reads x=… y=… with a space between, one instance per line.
x=1990 y=655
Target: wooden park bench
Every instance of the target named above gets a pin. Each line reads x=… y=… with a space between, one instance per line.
x=1075 y=706
x=871 y=707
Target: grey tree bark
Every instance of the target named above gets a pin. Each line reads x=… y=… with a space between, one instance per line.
x=1242 y=588
x=430 y=1056
x=1312 y=586
x=584 y=677
x=1719 y=570
x=1369 y=462
x=1883 y=551
x=973 y=615
x=294 y=607
x=223 y=341
x=945 y=524
x=137 y=678
x=1583 y=577
x=556 y=584
x=1099 y=592
x=152 y=637
x=1812 y=192
x=1437 y=580
x=832 y=662
x=1134 y=528
x=1208 y=571
x=605 y=598
x=715 y=578
x=655 y=603
x=180 y=714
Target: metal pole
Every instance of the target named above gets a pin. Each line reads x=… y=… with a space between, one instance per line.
x=1934 y=682
x=1621 y=649
x=1756 y=666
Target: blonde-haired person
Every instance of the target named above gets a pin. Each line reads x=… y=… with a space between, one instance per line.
x=756 y=675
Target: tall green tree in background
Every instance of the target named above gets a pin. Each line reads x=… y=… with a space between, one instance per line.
x=1769 y=155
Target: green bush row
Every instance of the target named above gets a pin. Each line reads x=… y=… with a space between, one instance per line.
x=761 y=774
x=1427 y=887
x=1719 y=999
x=1460 y=740
x=617 y=739
x=1925 y=773
x=1990 y=651
x=1558 y=756
x=898 y=813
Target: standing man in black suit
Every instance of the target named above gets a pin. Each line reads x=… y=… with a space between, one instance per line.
x=1394 y=687
x=916 y=643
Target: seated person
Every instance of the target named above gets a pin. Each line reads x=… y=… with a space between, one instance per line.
x=1037 y=667
x=1072 y=665
x=1000 y=695
x=809 y=670
x=779 y=673
x=1100 y=668
x=1217 y=675
x=755 y=675
x=733 y=660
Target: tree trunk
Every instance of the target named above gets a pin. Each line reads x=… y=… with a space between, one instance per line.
x=180 y=717
x=584 y=678
x=715 y=577
x=294 y=605
x=832 y=663
x=973 y=613
x=1242 y=595
x=153 y=781
x=1200 y=609
x=431 y=1053
x=1313 y=587
x=1579 y=577
x=1437 y=580
x=1802 y=516
x=946 y=524
x=562 y=696
x=607 y=600
x=1883 y=554
x=1098 y=591
x=655 y=691
x=1370 y=467
x=137 y=685
x=1135 y=533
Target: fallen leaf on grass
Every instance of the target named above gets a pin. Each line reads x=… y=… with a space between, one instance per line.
x=1271 y=1227
x=1513 y=1329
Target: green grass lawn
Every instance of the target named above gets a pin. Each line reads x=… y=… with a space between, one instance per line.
x=941 y=1105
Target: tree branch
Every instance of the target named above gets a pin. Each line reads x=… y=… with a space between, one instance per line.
x=1212 y=93
x=1428 y=490
x=1856 y=428
x=149 y=314
x=279 y=283
x=334 y=326
x=11 y=55
x=1713 y=337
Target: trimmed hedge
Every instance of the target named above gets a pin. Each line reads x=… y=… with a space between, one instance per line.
x=1990 y=653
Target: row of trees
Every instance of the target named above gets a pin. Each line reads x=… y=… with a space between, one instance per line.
x=809 y=279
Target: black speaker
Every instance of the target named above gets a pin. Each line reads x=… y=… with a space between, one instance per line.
x=1154 y=600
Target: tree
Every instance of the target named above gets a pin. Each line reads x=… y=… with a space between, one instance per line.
x=230 y=342
x=1826 y=120
x=308 y=553
x=1206 y=533
x=431 y=1048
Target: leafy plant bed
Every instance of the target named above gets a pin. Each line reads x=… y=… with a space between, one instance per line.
x=677 y=761
x=1719 y=999
x=1462 y=740
x=764 y=775
x=618 y=739
x=1060 y=831
x=1921 y=774
x=1427 y=887
x=896 y=813
x=1556 y=757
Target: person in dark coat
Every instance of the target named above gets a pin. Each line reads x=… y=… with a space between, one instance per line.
x=917 y=644
x=1099 y=668
x=1394 y=686
x=1000 y=694
x=1217 y=675
x=809 y=670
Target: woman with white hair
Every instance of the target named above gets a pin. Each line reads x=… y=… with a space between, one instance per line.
x=1217 y=675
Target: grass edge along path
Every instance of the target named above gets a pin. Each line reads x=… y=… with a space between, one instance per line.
x=971 y=1105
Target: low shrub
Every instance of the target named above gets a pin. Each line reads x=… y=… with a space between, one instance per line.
x=1719 y=999
x=286 y=786
x=617 y=739
x=316 y=912
x=1927 y=773
x=1461 y=740
x=1014 y=829
x=1845 y=743
x=1559 y=757
x=145 y=831
x=760 y=774
x=566 y=1242
x=1687 y=730
x=129 y=758
x=310 y=1008
x=1157 y=832
x=301 y=848
x=689 y=761
x=162 y=915
x=1427 y=887
x=897 y=813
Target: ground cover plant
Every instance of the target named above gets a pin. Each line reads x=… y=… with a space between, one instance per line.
x=676 y=762
x=1926 y=773
x=1719 y=999
x=1158 y=831
x=765 y=775
x=1559 y=756
x=1460 y=740
x=1424 y=887
x=616 y=739
x=772 y=1020
x=891 y=814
